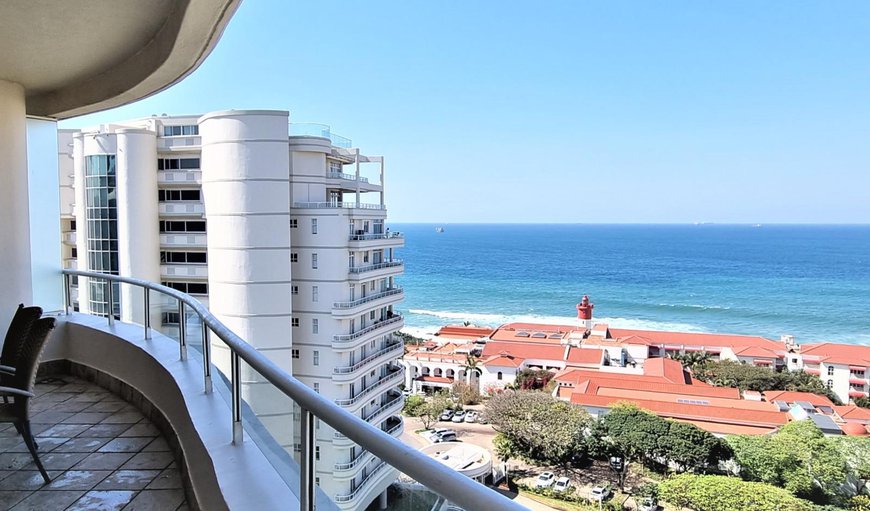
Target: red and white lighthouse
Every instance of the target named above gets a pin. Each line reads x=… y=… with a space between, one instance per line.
x=584 y=313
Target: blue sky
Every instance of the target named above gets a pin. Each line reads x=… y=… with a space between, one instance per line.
x=567 y=111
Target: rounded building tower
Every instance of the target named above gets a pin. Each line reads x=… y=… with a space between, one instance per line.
x=584 y=313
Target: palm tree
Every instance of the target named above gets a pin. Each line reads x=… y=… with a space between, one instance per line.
x=470 y=366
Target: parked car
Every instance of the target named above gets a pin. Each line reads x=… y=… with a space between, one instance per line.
x=459 y=416
x=471 y=416
x=482 y=419
x=561 y=485
x=446 y=415
x=648 y=504
x=600 y=492
x=444 y=436
x=545 y=480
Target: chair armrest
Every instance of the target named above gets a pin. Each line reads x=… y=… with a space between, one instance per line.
x=7 y=370
x=10 y=391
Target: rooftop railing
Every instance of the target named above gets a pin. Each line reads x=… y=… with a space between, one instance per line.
x=311 y=129
x=427 y=471
x=340 y=205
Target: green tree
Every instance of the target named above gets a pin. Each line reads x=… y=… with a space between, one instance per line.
x=532 y=379
x=798 y=458
x=433 y=408
x=465 y=393
x=728 y=373
x=692 y=359
x=641 y=436
x=859 y=503
x=538 y=426
x=856 y=451
x=413 y=405
x=721 y=493
x=863 y=402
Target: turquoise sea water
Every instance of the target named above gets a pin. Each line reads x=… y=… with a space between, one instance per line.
x=809 y=281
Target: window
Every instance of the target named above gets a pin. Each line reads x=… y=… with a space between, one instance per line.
x=178 y=163
x=294 y=353
x=170 y=318
x=316 y=447
x=314 y=293
x=316 y=357
x=365 y=257
x=794 y=361
x=181 y=226
x=178 y=195
x=372 y=315
x=857 y=373
x=315 y=325
x=294 y=257
x=193 y=288
x=317 y=387
x=294 y=290
x=499 y=375
x=313 y=226
x=74 y=252
x=167 y=257
x=317 y=481
x=176 y=131
x=314 y=261
x=72 y=225
x=294 y=223
x=294 y=322
x=830 y=370
x=335 y=167
x=830 y=384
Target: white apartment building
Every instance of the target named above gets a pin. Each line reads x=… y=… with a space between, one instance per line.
x=272 y=226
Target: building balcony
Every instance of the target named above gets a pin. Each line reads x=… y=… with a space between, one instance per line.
x=368 y=241
x=227 y=456
x=363 y=488
x=854 y=380
x=349 y=373
x=356 y=307
x=179 y=143
x=184 y=270
x=179 y=177
x=345 y=342
x=69 y=238
x=377 y=270
x=70 y=263
x=392 y=379
x=195 y=209
x=180 y=239
x=857 y=393
x=339 y=205
x=311 y=129
x=812 y=370
x=393 y=425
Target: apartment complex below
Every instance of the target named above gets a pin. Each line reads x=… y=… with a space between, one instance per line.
x=596 y=366
x=279 y=229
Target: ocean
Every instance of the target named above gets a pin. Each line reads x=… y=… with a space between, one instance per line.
x=812 y=282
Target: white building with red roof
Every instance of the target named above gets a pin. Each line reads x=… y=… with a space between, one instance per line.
x=843 y=367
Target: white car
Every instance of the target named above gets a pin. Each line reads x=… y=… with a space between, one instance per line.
x=471 y=417
x=545 y=480
x=561 y=485
x=600 y=493
x=459 y=416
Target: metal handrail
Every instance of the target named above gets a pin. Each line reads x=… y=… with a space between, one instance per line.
x=370 y=298
x=344 y=205
x=352 y=495
x=427 y=471
x=377 y=266
x=346 y=177
x=366 y=236
x=397 y=347
x=383 y=382
x=371 y=328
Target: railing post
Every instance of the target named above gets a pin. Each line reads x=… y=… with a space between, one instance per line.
x=236 y=384
x=110 y=301
x=147 y=318
x=67 y=296
x=182 y=331
x=206 y=357
x=306 y=465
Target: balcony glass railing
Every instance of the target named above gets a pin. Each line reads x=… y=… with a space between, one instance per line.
x=311 y=129
x=340 y=205
x=392 y=378
x=264 y=401
x=394 y=348
x=370 y=298
x=344 y=338
x=377 y=266
x=365 y=236
x=346 y=177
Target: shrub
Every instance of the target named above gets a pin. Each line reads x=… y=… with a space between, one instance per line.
x=722 y=493
x=414 y=405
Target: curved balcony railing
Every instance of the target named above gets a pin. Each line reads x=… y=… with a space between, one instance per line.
x=365 y=455
x=344 y=338
x=370 y=298
x=391 y=379
x=406 y=459
x=377 y=266
x=346 y=177
x=394 y=348
x=350 y=496
x=365 y=236
x=313 y=129
x=384 y=408
x=339 y=205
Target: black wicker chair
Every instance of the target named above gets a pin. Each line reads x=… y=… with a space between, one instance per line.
x=16 y=336
x=20 y=387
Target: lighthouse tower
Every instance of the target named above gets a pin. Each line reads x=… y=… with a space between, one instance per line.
x=584 y=313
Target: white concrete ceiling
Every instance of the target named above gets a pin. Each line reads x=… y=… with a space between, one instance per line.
x=80 y=56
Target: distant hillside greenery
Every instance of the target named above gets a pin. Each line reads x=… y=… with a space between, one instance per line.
x=728 y=373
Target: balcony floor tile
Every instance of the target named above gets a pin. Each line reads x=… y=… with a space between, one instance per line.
x=100 y=452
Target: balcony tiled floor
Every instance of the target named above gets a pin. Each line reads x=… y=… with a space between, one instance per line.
x=100 y=452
